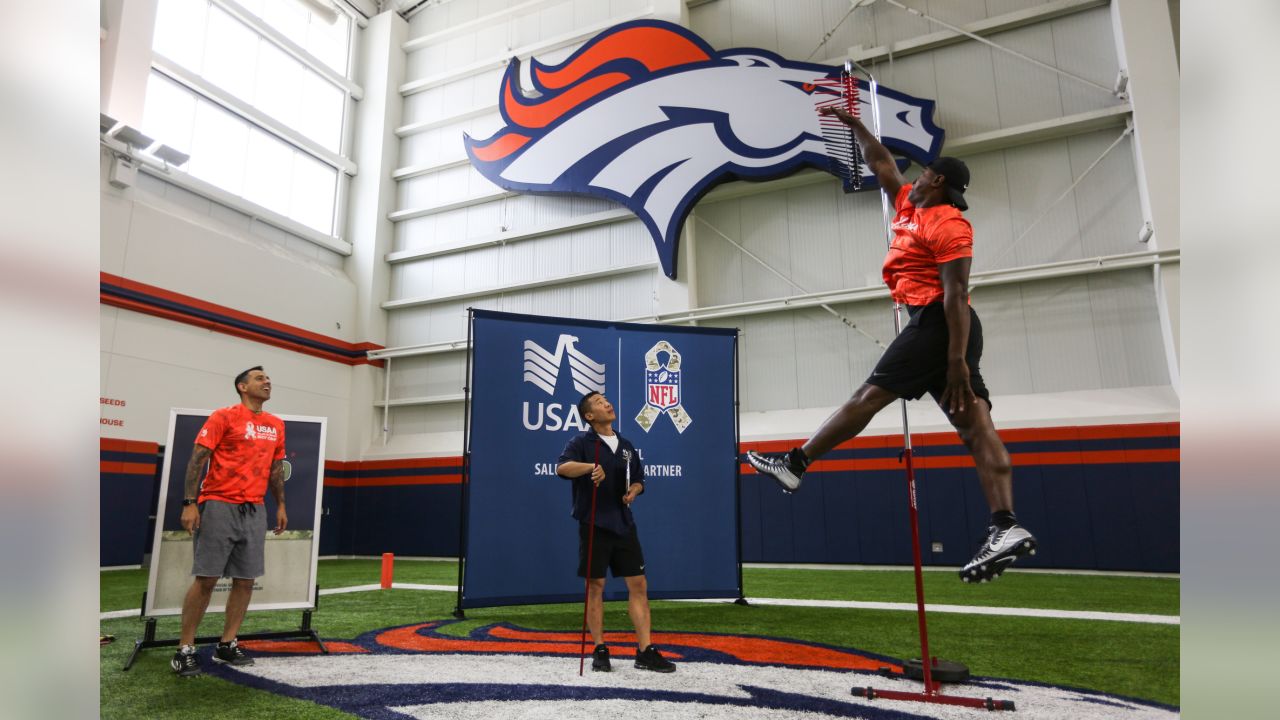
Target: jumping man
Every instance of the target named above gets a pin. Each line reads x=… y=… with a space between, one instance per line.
x=927 y=270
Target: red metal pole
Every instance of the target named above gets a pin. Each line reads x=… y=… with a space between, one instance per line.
x=925 y=658
x=586 y=593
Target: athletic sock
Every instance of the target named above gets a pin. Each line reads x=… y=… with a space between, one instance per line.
x=1003 y=519
x=798 y=460
x=187 y=649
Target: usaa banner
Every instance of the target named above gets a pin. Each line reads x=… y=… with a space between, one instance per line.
x=673 y=392
x=649 y=115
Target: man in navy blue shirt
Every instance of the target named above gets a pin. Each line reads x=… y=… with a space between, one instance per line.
x=602 y=461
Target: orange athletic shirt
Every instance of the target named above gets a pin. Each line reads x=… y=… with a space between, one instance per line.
x=244 y=445
x=923 y=239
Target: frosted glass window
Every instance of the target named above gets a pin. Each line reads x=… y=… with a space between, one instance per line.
x=328 y=41
x=230 y=55
x=318 y=114
x=219 y=147
x=268 y=172
x=278 y=90
x=210 y=42
x=239 y=157
x=180 y=31
x=313 y=192
x=170 y=113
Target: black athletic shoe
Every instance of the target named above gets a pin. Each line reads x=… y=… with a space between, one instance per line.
x=600 y=659
x=785 y=469
x=651 y=659
x=998 y=552
x=186 y=664
x=231 y=654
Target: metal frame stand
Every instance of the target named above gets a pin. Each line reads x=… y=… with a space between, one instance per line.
x=932 y=692
x=458 y=612
x=149 y=640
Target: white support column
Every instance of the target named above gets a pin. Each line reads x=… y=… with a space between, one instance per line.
x=1144 y=45
x=681 y=294
x=125 y=57
x=381 y=68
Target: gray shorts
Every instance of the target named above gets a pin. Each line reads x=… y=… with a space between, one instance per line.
x=228 y=543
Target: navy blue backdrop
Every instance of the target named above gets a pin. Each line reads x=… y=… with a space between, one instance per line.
x=528 y=373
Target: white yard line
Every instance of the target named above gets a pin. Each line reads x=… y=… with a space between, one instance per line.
x=843 y=604
x=966 y=610
x=942 y=568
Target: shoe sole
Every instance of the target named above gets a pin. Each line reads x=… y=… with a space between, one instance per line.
x=752 y=459
x=994 y=568
x=187 y=674
x=232 y=663
x=657 y=670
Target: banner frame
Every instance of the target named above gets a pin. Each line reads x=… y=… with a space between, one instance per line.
x=464 y=496
x=149 y=610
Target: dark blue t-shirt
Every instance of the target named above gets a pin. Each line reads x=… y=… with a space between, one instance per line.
x=619 y=467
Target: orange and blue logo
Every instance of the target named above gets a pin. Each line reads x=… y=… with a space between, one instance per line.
x=429 y=670
x=649 y=115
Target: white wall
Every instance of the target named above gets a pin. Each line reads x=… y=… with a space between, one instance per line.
x=159 y=234
x=1086 y=348
x=1056 y=348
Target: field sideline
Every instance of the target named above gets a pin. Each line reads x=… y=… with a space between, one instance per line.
x=1133 y=659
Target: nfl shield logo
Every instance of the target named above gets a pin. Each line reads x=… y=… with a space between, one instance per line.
x=664 y=388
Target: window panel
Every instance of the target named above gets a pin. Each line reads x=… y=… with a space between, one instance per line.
x=314 y=188
x=319 y=113
x=180 y=30
x=328 y=42
x=231 y=55
x=235 y=153
x=269 y=172
x=169 y=113
x=278 y=89
x=287 y=16
x=218 y=148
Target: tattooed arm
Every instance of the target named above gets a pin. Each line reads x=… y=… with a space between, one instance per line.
x=191 y=487
x=276 y=483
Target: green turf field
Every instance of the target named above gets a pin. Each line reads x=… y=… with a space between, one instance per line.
x=1137 y=660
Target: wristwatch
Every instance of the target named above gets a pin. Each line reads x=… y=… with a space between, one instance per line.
x=188 y=501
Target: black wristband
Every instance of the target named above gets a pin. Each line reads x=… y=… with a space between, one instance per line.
x=188 y=501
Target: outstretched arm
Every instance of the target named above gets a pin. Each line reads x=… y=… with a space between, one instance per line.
x=878 y=157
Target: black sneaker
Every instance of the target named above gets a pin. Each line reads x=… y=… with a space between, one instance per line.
x=784 y=469
x=186 y=664
x=998 y=552
x=600 y=659
x=231 y=654
x=651 y=659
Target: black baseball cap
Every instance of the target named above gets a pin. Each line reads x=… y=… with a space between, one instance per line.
x=956 y=177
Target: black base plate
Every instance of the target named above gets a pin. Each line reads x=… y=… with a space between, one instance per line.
x=941 y=671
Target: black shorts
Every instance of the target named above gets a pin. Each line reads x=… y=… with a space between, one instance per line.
x=916 y=361
x=610 y=551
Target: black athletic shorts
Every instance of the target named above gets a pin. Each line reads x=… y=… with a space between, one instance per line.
x=610 y=551
x=916 y=361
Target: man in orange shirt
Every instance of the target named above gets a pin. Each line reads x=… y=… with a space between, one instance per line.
x=244 y=447
x=927 y=270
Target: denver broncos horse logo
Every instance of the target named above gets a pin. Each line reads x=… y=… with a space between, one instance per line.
x=649 y=115
x=428 y=670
